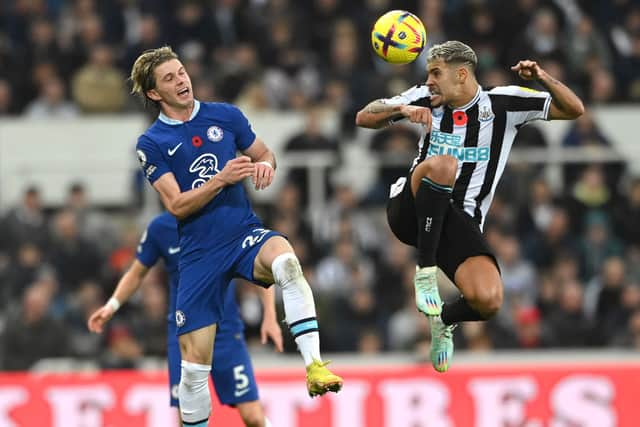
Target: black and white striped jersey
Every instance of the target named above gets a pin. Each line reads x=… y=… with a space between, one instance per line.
x=480 y=134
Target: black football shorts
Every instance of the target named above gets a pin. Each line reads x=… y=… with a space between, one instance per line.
x=461 y=237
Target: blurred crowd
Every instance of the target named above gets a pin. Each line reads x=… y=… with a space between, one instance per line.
x=570 y=257
x=62 y=58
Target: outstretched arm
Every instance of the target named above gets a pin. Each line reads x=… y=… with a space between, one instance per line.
x=127 y=286
x=270 y=327
x=378 y=114
x=565 y=104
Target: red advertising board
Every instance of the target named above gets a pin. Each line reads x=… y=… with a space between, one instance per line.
x=531 y=395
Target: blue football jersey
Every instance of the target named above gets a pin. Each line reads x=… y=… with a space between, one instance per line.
x=160 y=240
x=194 y=151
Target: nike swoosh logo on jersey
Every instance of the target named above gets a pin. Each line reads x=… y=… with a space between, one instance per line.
x=173 y=251
x=173 y=150
x=239 y=393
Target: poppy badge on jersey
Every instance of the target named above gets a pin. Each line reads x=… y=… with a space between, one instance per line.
x=459 y=118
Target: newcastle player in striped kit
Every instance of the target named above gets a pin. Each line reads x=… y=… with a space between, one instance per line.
x=441 y=205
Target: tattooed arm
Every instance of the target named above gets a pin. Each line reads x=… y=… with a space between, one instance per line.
x=378 y=114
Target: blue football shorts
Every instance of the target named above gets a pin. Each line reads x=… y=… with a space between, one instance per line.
x=204 y=281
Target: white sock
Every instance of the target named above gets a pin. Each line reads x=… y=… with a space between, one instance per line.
x=193 y=392
x=299 y=307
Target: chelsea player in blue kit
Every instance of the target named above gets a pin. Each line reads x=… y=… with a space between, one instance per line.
x=232 y=372
x=189 y=156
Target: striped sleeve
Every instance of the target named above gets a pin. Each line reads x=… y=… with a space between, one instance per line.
x=524 y=103
x=416 y=95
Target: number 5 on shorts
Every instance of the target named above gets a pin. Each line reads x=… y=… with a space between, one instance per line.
x=242 y=380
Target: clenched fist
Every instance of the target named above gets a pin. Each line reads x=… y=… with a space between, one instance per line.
x=417 y=114
x=528 y=70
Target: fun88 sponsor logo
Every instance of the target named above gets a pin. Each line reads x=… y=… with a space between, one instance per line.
x=441 y=143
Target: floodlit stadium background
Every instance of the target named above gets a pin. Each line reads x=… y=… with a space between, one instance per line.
x=565 y=224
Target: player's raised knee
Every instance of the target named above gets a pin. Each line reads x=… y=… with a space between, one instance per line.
x=492 y=305
x=490 y=300
x=286 y=267
x=485 y=298
x=441 y=169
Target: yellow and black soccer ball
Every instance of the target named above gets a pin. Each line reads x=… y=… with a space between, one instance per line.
x=398 y=37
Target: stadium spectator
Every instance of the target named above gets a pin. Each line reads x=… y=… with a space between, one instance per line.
x=584 y=132
x=93 y=224
x=567 y=324
x=537 y=210
x=147 y=35
x=27 y=266
x=406 y=327
x=590 y=192
x=542 y=38
x=344 y=261
x=393 y=143
x=74 y=258
x=556 y=239
x=31 y=333
x=26 y=222
x=619 y=327
x=51 y=102
x=99 y=87
x=627 y=213
x=630 y=337
x=393 y=262
x=149 y=324
x=628 y=69
x=42 y=45
x=586 y=47
x=518 y=276
x=82 y=343
x=602 y=87
x=88 y=33
x=529 y=328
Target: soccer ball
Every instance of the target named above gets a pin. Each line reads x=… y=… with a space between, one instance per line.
x=398 y=37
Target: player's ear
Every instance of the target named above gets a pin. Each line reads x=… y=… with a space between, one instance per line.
x=153 y=95
x=461 y=74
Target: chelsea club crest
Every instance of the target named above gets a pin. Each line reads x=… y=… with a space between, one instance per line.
x=215 y=133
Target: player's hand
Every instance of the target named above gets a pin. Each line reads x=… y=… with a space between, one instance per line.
x=263 y=175
x=528 y=70
x=99 y=318
x=417 y=114
x=271 y=329
x=236 y=170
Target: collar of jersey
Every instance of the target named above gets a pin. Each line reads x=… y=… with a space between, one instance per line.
x=168 y=120
x=470 y=103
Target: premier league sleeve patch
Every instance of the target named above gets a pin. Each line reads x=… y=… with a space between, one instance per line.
x=142 y=158
x=151 y=160
x=215 y=134
x=180 y=318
